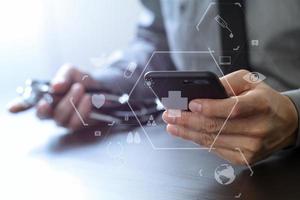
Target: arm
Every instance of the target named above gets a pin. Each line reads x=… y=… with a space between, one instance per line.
x=150 y=37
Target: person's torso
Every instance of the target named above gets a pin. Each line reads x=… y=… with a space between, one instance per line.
x=273 y=30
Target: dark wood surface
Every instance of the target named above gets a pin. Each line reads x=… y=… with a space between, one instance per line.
x=41 y=161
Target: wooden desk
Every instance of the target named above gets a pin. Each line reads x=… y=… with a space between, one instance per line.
x=39 y=161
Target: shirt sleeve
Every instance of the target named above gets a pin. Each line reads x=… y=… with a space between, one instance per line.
x=294 y=95
x=149 y=38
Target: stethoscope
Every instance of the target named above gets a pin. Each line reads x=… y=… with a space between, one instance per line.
x=116 y=111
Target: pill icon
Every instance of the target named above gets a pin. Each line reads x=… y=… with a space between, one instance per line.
x=130 y=69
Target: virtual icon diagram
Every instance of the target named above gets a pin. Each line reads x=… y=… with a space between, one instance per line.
x=115 y=150
x=98 y=100
x=130 y=70
x=133 y=138
x=174 y=103
x=254 y=77
x=151 y=121
x=224 y=25
x=224 y=174
x=225 y=60
x=254 y=42
x=98 y=133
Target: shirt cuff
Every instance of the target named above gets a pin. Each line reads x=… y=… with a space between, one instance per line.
x=294 y=95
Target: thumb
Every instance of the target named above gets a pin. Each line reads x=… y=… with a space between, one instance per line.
x=64 y=78
x=234 y=83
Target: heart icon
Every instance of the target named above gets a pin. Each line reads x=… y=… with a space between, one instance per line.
x=98 y=100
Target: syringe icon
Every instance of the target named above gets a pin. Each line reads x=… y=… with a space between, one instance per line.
x=223 y=24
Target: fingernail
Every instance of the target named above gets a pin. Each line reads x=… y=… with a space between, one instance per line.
x=42 y=108
x=56 y=85
x=167 y=118
x=58 y=81
x=172 y=129
x=196 y=107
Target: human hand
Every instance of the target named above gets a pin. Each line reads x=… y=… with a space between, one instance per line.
x=262 y=121
x=67 y=84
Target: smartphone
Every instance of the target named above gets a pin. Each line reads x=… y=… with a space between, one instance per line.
x=188 y=84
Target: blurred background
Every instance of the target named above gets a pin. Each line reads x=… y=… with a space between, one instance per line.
x=38 y=36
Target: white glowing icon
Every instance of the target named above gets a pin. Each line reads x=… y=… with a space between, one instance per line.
x=254 y=77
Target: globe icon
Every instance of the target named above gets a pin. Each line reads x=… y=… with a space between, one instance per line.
x=224 y=174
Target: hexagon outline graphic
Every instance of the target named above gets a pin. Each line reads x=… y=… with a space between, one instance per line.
x=207 y=9
x=237 y=48
x=142 y=127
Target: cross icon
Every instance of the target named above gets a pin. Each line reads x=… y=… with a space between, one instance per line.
x=174 y=103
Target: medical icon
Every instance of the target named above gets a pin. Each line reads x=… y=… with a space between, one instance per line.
x=133 y=138
x=126 y=118
x=151 y=121
x=84 y=77
x=129 y=139
x=98 y=100
x=224 y=174
x=130 y=70
x=98 y=133
x=137 y=138
x=200 y=172
x=254 y=42
x=123 y=99
x=224 y=25
x=115 y=149
x=237 y=196
x=174 y=103
x=236 y=48
x=111 y=123
x=225 y=60
x=254 y=77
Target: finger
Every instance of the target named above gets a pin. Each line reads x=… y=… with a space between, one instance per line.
x=187 y=134
x=234 y=82
x=64 y=109
x=17 y=105
x=195 y=122
x=238 y=104
x=233 y=107
x=206 y=140
x=63 y=79
x=231 y=142
x=69 y=74
x=84 y=108
x=251 y=127
x=43 y=110
x=204 y=124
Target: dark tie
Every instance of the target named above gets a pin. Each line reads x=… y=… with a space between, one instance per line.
x=234 y=41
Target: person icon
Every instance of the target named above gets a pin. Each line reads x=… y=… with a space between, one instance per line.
x=151 y=121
